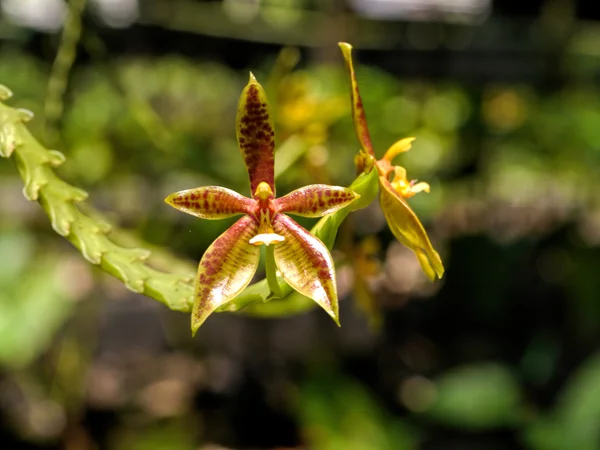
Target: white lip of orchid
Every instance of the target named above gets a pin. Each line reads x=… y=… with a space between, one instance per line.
x=267 y=239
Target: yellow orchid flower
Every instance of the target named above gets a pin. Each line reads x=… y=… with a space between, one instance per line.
x=231 y=261
x=402 y=220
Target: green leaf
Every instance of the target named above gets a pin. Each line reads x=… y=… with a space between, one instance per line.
x=337 y=413
x=574 y=421
x=478 y=396
x=33 y=301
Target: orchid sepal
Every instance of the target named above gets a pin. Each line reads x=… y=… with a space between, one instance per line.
x=256 y=135
x=210 y=202
x=358 y=111
x=302 y=255
x=316 y=200
x=226 y=268
x=407 y=228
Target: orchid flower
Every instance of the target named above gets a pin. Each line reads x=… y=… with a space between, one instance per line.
x=402 y=220
x=230 y=262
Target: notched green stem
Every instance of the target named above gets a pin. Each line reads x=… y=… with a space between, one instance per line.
x=86 y=232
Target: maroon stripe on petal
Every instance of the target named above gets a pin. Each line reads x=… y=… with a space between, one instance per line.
x=358 y=111
x=226 y=268
x=211 y=202
x=315 y=200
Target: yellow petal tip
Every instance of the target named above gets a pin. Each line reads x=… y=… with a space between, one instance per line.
x=252 y=78
x=431 y=263
x=195 y=327
x=197 y=321
x=403 y=145
x=333 y=314
x=337 y=321
x=346 y=49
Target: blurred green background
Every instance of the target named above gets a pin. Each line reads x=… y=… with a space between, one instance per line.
x=503 y=99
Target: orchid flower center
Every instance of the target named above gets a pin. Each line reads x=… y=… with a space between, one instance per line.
x=263 y=191
x=404 y=187
x=264 y=215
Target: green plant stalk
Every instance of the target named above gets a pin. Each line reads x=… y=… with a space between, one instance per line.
x=59 y=75
x=91 y=235
x=271 y=271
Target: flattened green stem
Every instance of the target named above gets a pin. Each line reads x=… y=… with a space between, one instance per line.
x=87 y=232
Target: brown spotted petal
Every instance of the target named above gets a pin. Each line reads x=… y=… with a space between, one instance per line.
x=407 y=228
x=315 y=200
x=306 y=264
x=255 y=134
x=358 y=112
x=225 y=270
x=210 y=202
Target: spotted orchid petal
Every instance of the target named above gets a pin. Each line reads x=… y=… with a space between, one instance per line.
x=358 y=111
x=210 y=202
x=316 y=200
x=225 y=270
x=407 y=228
x=306 y=264
x=255 y=134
